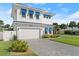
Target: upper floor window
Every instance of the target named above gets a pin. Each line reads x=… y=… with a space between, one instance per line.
x=23 y=12
x=44 y=15
x=37 y=15
x=31 y=14
x=47 y=16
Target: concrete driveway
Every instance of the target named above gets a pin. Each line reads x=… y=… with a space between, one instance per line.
x=50 y=48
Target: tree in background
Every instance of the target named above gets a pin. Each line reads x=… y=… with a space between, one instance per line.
x=63 y=26
x=1 y=25
x=72 y=24
x=7 y=26
x=55 y=28
x=78 y=25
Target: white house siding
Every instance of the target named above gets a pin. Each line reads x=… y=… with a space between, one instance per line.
x=7 y=35
x=36 y=26
x=30 y=26
x=27 y=19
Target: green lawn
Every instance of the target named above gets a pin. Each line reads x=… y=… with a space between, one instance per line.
x=1 y=30
x=4 y=45
x=68 y=39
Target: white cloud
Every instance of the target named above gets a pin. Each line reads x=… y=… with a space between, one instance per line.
x=5 y=15
x=9 y=11
x=59 y=21
x=73 y=17
x=62 y=18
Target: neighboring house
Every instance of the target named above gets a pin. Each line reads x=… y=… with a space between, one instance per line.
x=31 y=23
x=74 y=28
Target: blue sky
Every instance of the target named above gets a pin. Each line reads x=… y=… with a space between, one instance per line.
x=65 y=12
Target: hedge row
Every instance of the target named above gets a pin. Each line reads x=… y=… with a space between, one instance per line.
x=71 y=32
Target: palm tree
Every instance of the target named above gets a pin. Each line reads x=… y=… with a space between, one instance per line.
x=1 y=22
x=72 y=24
x=55 y=28
x=63 y=26
x=7 y=26
x=1 y=25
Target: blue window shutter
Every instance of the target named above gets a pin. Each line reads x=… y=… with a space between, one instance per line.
x=50 y=30
x=23 y=12
x=47 y=16
x=46 y=30
x=31 y=12
x=37 y=13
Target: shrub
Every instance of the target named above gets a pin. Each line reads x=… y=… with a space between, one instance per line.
x=19 y=46
x=50 y=36
x=68 y=32
x=56 y=35
x=77 y=32
x=74 y=32
x=45 y=36
x=71 y=32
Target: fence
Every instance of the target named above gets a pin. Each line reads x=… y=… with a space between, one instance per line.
x=1 y=35
x=7 y=35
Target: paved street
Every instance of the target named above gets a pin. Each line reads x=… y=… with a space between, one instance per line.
x=50 y=48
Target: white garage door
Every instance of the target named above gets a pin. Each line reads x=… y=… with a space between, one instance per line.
x=28 y=34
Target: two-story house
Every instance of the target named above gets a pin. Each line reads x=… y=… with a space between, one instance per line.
x=30 y=22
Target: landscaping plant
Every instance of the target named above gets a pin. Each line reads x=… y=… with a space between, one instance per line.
x=76 y=32
x=50 y=36
x=19 y=46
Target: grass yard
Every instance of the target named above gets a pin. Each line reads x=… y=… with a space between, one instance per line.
x=4 y=45
x=68 y=39
x=1 y=30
